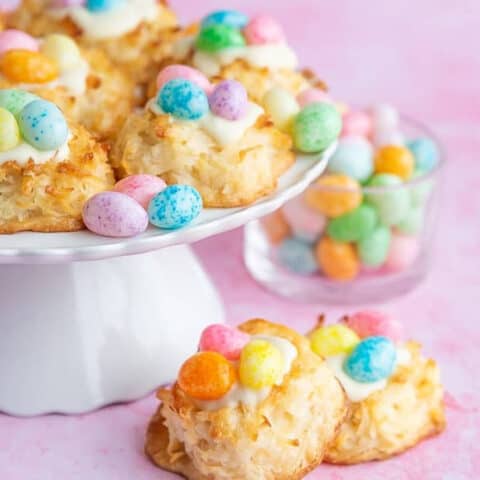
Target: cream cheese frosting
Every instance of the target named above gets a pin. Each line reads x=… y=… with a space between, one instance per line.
x=24 y=152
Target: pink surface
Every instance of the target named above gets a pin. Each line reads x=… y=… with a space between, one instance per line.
x=419 y=55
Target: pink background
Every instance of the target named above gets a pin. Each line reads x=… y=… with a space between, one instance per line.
x=423 y=56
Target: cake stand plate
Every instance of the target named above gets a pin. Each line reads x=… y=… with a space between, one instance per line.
x=87 y=321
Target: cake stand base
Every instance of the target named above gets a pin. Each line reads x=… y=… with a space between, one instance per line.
x=78 y=336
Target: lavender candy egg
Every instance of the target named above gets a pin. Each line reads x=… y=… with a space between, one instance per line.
x=114 y=214
x=68 y=3
x=229 y=100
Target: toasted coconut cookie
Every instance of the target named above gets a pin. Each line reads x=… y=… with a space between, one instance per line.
x=396 y=394
x=268 y=426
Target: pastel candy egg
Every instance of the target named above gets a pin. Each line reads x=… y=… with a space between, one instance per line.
x=334 y=194
x=297 y=256
x=313 y=95
x=316 y=127
x=183 y=99
x=43 y=125
x=218 y=37
x=354 y=225
x=413 y=222
x=395 y=160
x=13 y=99
x=426 y=153
x=384 y=117
x=337 y=260
x=373 y=359
x=404 y=250
x=231 y=18
x=68 y=3
x=356 y=122
x=62 y=50
x=223 y=339
x=113 y=214
x=263 y=29
x=381 y=138
x=370 y=323
x=9 y=133
x=229 y=100
x=391 y=200
x=373 y=248
x=206 y=376
x=353 y=157
x=97 y=6
x=306 y=224
x=7 y=6
x=421 y=190
x=175 y=207
x=275 y=227
x=261 y=365
x=141 y=188
x=282 y=107
x=187 y=73
x=333 y=340
x=17 y=40
x=24 y=66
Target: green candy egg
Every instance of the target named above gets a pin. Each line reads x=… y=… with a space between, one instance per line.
x=373 y=249
x=217 y=37
x=413 y=222
x=393 y=204
x=316 y=127
x=354 y=225
x=420 y=192
x=9 y=131
x=13 y=99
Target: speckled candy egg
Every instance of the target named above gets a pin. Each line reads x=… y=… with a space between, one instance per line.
x=7 y=6
x=337 y=260
x=9 y=133
x=141 y=188
x=231 y=18
x=354 y=225
x=13 y=99
x=426 y=153
x=187 y=73
x=114 y=214
x=25 y=66
x=228 y=341
x=97 y=6
x=218 y=37
x=333 y=340
x=17 y=40
x=306 y=223
x=396 y=160
x=297 y=256
x=404 y=250
x=282 y=107
x=413 y=222
x=356 y=122
x=313 y=95
x=275 y=227
x=183 y=99
x=263 y=29
x=229 y=100
x=369 y=323
x=175 y=207
x=43 y=125
x=422 y=188
x=373 y=359
x=316 y=127
x=373 y=248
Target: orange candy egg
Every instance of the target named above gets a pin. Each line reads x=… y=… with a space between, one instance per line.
x=338 y=260
x=206 y=376
x=396 y=160
x=276 y=227
x=333 y=195
x=25 y=66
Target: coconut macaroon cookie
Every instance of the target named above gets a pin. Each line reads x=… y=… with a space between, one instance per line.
x=81 y=82
x=246 y=407
x=48 y=168
x=210 y=137
x=395 y=392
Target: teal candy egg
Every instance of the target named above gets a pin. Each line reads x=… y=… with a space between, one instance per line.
x=353 y=157
x=183 y=99
x=354 y=225
x=218 y=37
x=413 y=222
x=421 y=191
x=297 y=256
x=373 y=248
x=43 y=125
x=426 y=153
x=14 y=99
x=231 y=18
x=392 y=201
x=373 y=359
x=98 y=6
x=316 y=127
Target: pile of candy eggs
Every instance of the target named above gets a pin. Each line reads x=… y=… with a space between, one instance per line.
x=228 y=357
x=26 y=60
x=27 y=118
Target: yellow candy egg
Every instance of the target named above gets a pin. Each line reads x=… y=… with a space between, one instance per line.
x=25 y=66
x=333 y=340
x=282 y=106
x=396 y=160
x=9 y=132
x=62 y=50
x=261 y=364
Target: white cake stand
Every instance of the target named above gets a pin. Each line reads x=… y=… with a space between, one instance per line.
x=84 y=324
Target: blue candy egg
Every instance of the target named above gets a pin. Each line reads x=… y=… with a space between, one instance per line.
x=231 y=18
x=373 y=359
x=297 y=256
x=43 y=125
x=174 y=207
x=425 y=152
x=183 y=99
x=98 y=6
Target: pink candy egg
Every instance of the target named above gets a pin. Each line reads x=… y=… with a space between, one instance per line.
x=141 y=188
x=304 y=222
x=7 y=6
x=187 y=73
x=223 y=339
x=370 y=323
x=16 y=40
x=404 y=250
x=263 y=29
x=311 y=95
x=114 y=214
x=68 y=3
x=356 y=123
